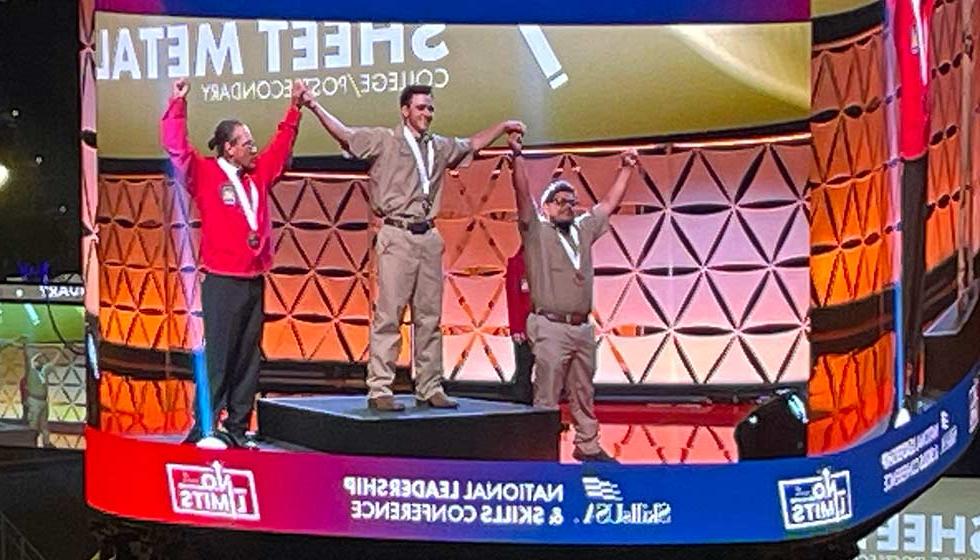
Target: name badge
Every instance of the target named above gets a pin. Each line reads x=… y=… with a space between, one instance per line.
x=525 y=287
x=228 y=195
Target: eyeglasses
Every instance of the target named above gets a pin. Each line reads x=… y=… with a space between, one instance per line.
x=247 y=144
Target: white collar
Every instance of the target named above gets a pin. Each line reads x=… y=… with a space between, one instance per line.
x=228 y=167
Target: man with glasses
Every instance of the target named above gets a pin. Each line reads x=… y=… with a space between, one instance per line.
x=230 y=192
x=557 y=252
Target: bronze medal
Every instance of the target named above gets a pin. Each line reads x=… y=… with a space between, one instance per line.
x=253 y=240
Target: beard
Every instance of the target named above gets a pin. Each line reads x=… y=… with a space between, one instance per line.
x=563 y=223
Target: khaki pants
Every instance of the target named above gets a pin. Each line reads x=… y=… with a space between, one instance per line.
x=37 y=418
x=409 y=273
x=564 y=358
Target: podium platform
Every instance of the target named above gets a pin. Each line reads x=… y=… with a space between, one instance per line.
x=17 y=435
x=478 y=429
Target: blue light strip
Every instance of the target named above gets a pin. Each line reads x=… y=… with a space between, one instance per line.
x=899 y=373
x=203 y=392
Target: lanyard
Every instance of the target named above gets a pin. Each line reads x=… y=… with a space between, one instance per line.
x=249 y=205
x=920 y=38
x=424 y=172
x=573 y=255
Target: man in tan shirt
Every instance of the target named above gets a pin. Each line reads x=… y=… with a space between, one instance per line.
x=407 y=166
x=557 y=252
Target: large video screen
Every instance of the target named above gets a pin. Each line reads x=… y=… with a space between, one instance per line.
x=739 y=217
x=570 y=84
x=701 y=280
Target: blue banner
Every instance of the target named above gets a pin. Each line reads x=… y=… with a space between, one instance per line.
x=531 y=501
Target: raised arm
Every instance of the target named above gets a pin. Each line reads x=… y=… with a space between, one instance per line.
x=610 y=202
x=271 y=162
x=526 y=211
x=340 y=131
x=173 y=134
x=487 y=136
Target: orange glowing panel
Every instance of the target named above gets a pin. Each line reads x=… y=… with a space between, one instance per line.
x=849 y=394
x=131 y=406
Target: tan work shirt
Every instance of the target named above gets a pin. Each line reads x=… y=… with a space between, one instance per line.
x=395 y=186
x=557 y=285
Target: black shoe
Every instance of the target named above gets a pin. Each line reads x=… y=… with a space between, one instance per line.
x=240 y=440
x=600 y=457
x=521 y=395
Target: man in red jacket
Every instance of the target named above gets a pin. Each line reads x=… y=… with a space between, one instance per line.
x=518 y=308
x=230 y=191
x=910 y=29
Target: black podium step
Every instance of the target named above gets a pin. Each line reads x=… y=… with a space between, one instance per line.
x=478 y=429
x=17 y=435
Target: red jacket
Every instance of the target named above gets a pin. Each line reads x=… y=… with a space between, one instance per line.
x=518 y=293
x=224 y=229
x=915 y=70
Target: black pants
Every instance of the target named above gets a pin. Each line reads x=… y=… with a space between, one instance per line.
x=914 y=215
x=232 y=334
x=523 y=391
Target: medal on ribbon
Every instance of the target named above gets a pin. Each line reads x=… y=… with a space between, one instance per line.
x=249 y=203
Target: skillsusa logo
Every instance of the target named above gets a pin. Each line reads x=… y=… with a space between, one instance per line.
x=213 y=491
x=606 y=506
x=814 y=501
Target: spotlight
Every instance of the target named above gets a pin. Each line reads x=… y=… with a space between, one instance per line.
x=776 y=428
x=39 y=159
x=4 y=176
x=15 y=113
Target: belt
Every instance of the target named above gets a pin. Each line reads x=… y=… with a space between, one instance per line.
x=418 y=228
x=567 y=318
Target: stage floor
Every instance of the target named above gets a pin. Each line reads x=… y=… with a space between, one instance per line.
x=633 y=433
x=667 y=434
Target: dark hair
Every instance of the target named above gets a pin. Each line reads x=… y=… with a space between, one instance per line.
x=405 y=99
x=556 y=187
x=224 y=132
